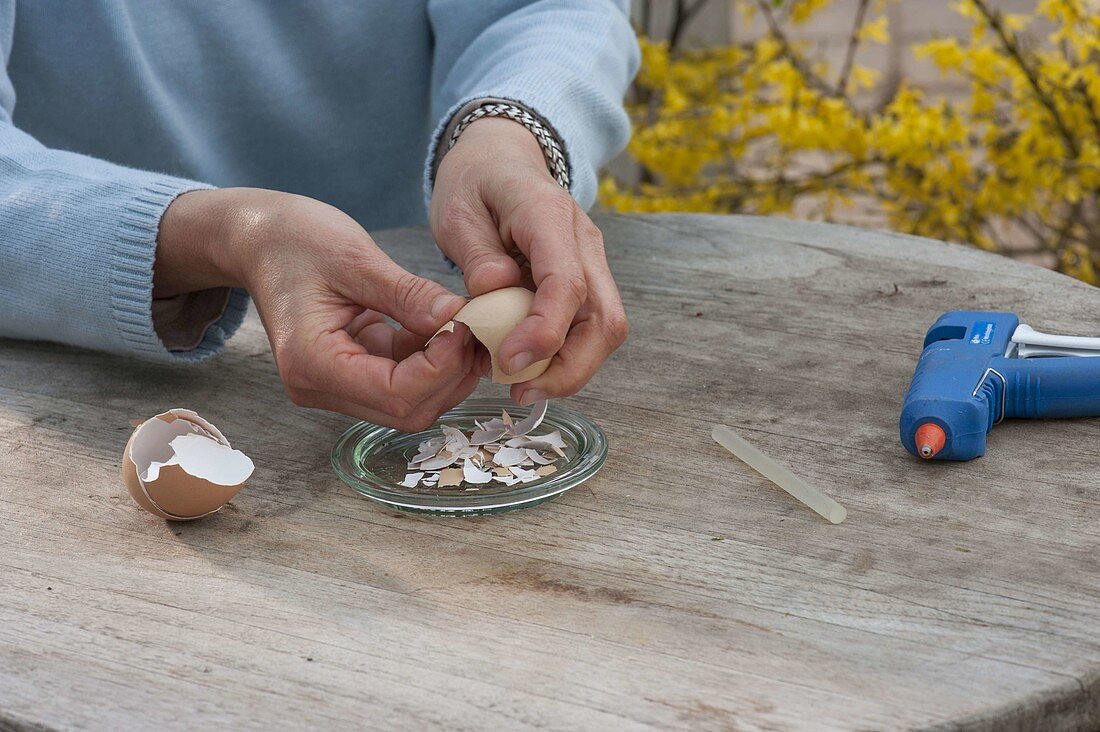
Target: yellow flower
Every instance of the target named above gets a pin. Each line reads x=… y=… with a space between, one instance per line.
x=875 y=31
x=944 y=52
x=863 y=77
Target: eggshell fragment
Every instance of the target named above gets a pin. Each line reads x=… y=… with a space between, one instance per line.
x=492 y=317
x=180 y=467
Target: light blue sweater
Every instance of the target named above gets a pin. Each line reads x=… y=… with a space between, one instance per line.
x=111 y=108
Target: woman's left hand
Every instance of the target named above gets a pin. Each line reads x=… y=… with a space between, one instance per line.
x=494 y=195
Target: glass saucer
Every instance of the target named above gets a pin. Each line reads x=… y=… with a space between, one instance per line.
x=373 y=460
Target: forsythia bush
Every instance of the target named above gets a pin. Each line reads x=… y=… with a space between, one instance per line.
x=763 y=127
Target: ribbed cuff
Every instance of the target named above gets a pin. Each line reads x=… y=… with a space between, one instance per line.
x=132 y=261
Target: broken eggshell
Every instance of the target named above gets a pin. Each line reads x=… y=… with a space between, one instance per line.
x=491 y=317
x=180 y=467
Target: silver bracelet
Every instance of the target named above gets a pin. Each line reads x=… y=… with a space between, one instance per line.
x=548 y=141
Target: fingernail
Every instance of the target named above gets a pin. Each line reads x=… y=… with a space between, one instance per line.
x=531 y=396
x=520 y=361
x=444 y=304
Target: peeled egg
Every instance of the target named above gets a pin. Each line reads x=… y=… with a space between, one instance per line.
x=180 y=467
x=491 y=317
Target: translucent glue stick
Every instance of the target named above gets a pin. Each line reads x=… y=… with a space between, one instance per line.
x=781 y=476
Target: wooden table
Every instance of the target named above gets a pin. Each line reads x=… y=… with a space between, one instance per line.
x=676 y=590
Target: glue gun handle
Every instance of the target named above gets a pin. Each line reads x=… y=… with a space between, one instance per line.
x=1062 y=386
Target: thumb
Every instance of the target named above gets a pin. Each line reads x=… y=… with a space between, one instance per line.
x=418 y=304
x=471 y=240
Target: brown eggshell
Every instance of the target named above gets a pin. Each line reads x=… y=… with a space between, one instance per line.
x=181 y=494
x=491 y=318
x=177 y=495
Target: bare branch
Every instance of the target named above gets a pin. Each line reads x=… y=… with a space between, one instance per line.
x=646 y=16
x=684 y=13
x=853 y=46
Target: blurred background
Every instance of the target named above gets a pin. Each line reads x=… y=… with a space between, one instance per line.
x=976 y=121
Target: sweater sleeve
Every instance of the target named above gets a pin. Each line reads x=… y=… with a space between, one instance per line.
x=569 y=61
x=79 y=239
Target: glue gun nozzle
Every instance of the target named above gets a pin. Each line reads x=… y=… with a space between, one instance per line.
x=930 y=439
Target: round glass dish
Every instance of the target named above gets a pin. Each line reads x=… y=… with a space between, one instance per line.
x=373 y=460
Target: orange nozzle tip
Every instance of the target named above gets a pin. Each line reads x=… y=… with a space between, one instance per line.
x=930 y=439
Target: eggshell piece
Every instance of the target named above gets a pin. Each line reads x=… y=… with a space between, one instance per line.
x=492 y=317
x=133 y=485
x=180 y=467
x=183 y=497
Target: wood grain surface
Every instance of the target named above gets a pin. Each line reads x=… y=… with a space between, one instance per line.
x=675 y=590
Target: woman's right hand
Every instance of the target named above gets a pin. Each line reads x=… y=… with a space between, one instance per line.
x=322 y=288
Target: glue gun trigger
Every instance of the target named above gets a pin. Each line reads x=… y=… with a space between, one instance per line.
x=1028 y=343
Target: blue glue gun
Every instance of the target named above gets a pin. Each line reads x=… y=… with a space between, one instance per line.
x=978 y=368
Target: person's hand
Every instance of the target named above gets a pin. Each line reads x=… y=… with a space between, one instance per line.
x=322 y=288
x=493 y=195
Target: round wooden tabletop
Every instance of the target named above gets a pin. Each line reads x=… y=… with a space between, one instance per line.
x=675 y=590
